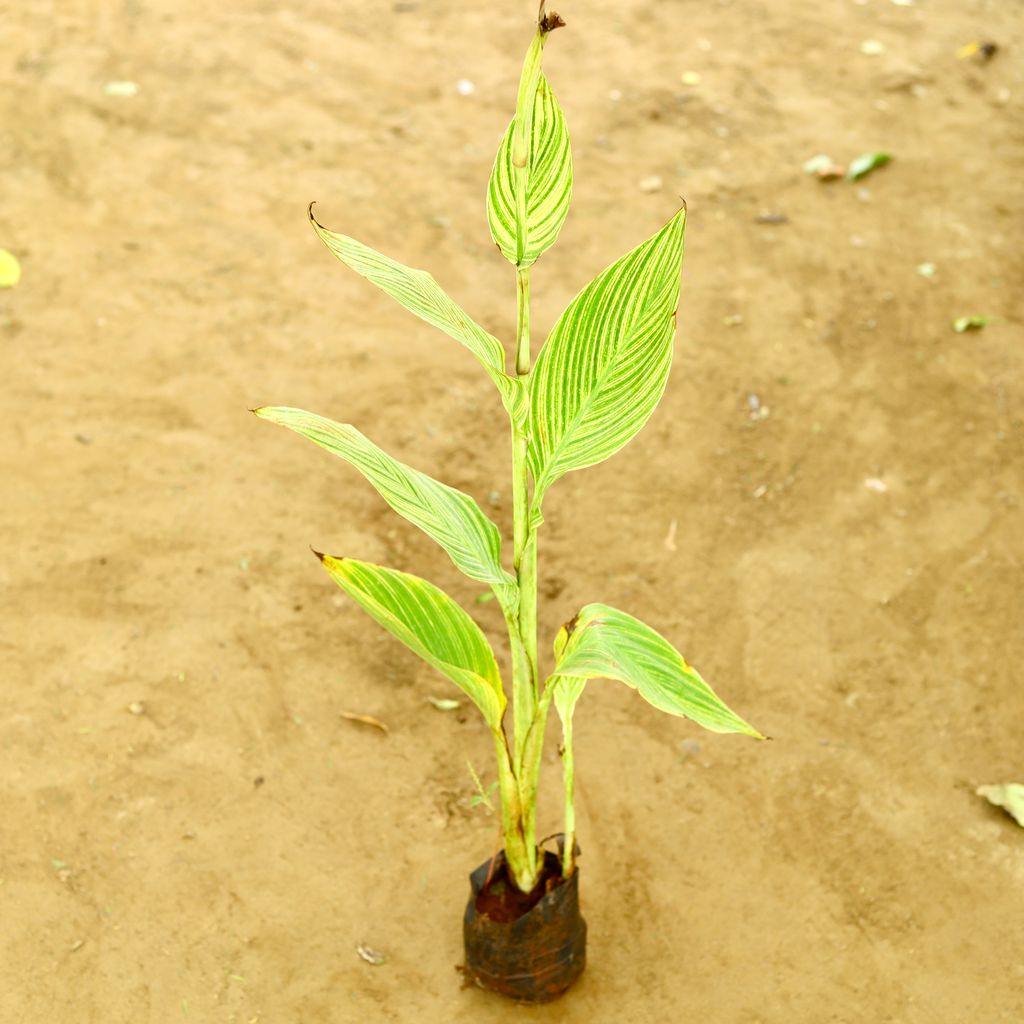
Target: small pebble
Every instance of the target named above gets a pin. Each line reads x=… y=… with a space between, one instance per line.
x=465 y=87
x=872 y=48
x=652 y=183
x=137 y=707
x=876 y=484
x=615 y=95
x=690 y=78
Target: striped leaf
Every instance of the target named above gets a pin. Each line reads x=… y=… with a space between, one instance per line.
x=524 y=226
x=605 y=363
x=602 y=642
x=423 y=296
x=450 y=517
x=429 y=623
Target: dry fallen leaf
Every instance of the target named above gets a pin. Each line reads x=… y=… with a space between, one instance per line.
x=10 y=269
x=445 y=703
x=352 y=716
x=371 y=956
x=1010 y=797
x=824 y=167
x=670 y=537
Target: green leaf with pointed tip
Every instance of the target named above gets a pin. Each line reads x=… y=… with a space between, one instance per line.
x=523 y=232
x=602 y=642
x=450 y=517
x=424 y=297
x=429 y=623
x=605 y=363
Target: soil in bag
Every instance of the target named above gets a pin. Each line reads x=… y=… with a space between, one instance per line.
x=527 y=946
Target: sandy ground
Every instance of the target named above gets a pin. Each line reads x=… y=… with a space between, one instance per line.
x=191 y=831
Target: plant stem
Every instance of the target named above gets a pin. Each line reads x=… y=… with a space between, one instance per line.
x=569 y=776
x=520 y=855
x=529 y=717
x=524 y=668
x=522 y=321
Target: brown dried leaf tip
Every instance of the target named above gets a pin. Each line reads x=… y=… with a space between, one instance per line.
x=548 y=22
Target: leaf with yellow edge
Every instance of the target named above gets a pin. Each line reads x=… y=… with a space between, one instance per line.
x=429 y=623
x=604 y=366
x=603 y=642
x=424 y=297
x=445 y=514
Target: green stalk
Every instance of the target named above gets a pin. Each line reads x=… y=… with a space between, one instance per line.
x=528 y=719
x=520 y=855
x=569 y=777
x=523 y=631
x=528 y=716
x=529 y=774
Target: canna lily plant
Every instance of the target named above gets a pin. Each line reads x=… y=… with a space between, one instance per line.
x=597 y=379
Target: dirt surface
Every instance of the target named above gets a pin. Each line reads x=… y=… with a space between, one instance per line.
x=191 y=831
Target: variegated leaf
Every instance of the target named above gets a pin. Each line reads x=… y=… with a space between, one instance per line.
x=449 y=516
x=424 y=297
x=429 y=623
x=605 y=363
x=525 y=228
x=602 y=642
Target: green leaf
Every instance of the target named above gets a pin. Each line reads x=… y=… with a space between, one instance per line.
x=429 y=623
x=602 y=642
x=525 y=228
x=605 y=363
x=866 y=163
x=971 y=323
x=450 y=517
x=424 y=297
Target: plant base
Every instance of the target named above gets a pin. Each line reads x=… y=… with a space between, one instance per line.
x=529 y=947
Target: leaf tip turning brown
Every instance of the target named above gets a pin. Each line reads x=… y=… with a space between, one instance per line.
x=548 y=22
